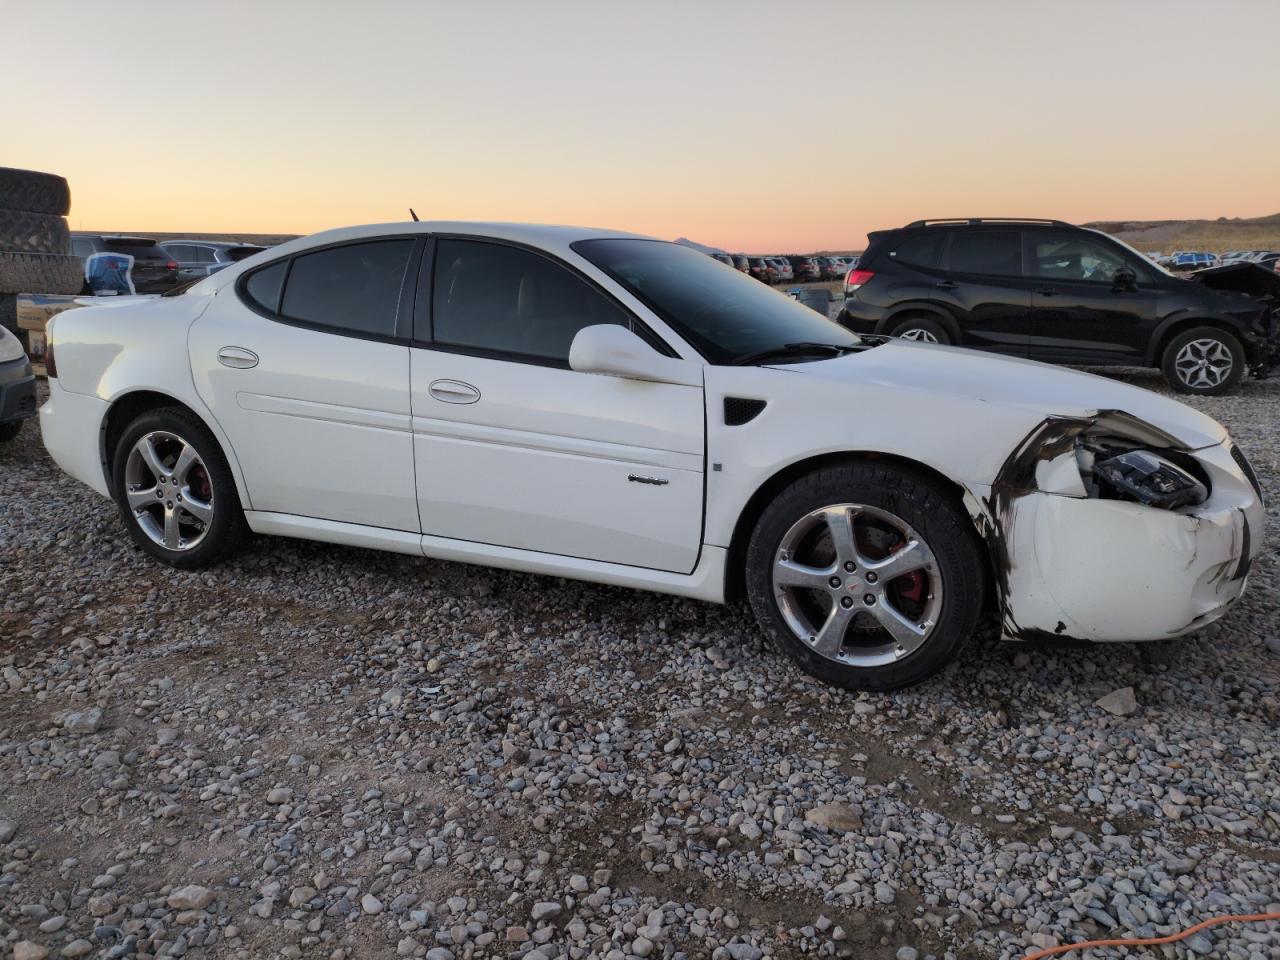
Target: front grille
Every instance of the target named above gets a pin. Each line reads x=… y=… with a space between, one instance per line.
x=1247 y=468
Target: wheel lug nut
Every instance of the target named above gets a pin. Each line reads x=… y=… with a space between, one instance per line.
x=849 y=566
x=835 y=582
x=872 y=578
x=869 y=599
x=846 y=602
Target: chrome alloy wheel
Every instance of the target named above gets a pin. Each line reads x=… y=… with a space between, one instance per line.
x=1203 y=363
x=918 y=333
x=168 y=490
x=857 y=584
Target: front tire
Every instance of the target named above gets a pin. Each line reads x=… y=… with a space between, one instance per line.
x=1204 y=360
x=9 y=430
x=923 y=329
x=869 y=577
x=175 y=491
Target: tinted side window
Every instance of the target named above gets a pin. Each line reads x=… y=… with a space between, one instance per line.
x=996 y=252
x=920 y=250
x=1073 y=256
x=493 y=297
x=263 y=286
x=354 y=287
x=81 y=248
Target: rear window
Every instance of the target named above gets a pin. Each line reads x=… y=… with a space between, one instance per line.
x=138 y=249
x=920 y=250
x=236 y=254
x=997 y=252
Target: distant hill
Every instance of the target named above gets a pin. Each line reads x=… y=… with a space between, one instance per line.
x=1215 y=236
x=700 y=247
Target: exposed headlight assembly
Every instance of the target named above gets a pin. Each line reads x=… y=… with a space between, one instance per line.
x=1149 y=478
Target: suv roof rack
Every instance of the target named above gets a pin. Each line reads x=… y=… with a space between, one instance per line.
x=951 y=221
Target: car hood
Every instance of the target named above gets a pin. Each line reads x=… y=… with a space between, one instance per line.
x=951 y=372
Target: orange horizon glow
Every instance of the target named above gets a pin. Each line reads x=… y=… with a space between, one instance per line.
x=713 y=121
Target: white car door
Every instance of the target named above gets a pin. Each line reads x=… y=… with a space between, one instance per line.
x=515 y=449
x=304 y=363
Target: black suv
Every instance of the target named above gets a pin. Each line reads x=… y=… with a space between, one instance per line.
x=154 y=270
x=1052 y=291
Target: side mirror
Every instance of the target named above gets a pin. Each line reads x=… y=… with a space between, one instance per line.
x=1124 y=279
x=614 y=350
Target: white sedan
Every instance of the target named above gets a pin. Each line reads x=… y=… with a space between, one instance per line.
x=598 y=405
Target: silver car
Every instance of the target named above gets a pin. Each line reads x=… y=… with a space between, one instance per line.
x=199 y=258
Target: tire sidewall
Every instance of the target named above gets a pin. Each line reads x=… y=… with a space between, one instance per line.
x=1239 y=362
x=930 y=511
x=227 y=516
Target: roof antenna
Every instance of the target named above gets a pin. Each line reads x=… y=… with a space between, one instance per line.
x=414 y=215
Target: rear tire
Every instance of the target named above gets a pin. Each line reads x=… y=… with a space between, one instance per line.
x=923 y=329
x=208 y=523
x=845 y=623
x=34 y=192
x=10 y=429
x=1203 y=361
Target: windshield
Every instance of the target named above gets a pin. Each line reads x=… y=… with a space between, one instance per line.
x=722 y=312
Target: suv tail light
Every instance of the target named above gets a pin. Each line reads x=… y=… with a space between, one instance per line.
x=171 y=265
x=857 y=278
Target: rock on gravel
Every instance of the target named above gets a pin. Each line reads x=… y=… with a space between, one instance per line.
x=83 y=721
x=191 y=897
x=1120 y=703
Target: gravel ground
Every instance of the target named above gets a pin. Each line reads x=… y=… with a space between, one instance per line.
x=327 y=752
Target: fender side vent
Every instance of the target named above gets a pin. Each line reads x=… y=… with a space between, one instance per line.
x=739 y=410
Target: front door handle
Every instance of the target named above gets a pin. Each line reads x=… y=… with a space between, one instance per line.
x=453 y=391
x=946 y=284
x=238 y=358
x=1047 y=292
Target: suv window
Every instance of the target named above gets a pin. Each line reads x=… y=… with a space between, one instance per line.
x=920 y=250
x=81 y=247
x=492 y=297
x=1071 y=256
x=137 y=248
x=355 y=287
x=997 y=252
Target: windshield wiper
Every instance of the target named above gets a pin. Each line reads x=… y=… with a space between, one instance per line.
x=793 y=350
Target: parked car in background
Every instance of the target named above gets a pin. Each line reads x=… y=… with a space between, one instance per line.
x=782 y=272
x=759 y=268
x=741 y=263
x=868 y=546
x=1192 y=260
x=199 y=258
x=17 y=386
x=1051 y=291
x=805 y=268
x=154 y=270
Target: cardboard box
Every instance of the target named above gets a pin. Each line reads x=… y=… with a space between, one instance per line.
x=35 y=309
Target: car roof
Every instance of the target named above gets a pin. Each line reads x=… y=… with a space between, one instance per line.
x=551 y=238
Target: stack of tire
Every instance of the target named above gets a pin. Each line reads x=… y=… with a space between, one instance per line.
x=35 y=244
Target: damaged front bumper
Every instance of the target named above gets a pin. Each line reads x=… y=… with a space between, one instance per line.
x=1115 y=570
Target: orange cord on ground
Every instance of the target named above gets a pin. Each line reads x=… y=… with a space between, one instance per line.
x=1154 y=941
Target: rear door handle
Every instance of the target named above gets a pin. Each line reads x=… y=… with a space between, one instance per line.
x=946 y=284
x=237 y=358
x=453 y=391
x=1047 y=292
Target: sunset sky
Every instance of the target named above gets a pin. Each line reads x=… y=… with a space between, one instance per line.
x=750 y=126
